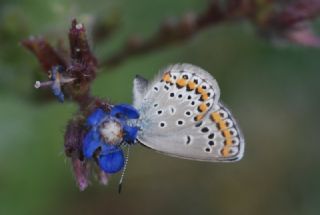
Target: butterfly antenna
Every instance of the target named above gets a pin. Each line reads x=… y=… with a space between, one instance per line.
x=124 y=170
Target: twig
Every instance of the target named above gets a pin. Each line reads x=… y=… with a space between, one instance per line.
x=174 y=31
x=266 y=15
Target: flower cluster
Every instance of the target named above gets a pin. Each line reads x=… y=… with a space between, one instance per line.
x=70 y=76
x=108 y=131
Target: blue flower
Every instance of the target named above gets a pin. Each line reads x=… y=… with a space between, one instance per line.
x=56 y=78
x=108 y=130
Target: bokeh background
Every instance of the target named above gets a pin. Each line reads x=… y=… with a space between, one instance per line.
x=272 y=90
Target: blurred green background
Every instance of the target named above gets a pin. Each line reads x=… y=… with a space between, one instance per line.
x=273 y=92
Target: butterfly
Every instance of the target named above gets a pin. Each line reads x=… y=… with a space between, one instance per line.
x=181 y=115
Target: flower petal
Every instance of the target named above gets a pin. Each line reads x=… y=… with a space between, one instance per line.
x=90 y=143
x=113 y=161
x=56 y=86
x=130 y=133
x=96 y=117
x=124 y=111
x=56 y=90
x=107 y=148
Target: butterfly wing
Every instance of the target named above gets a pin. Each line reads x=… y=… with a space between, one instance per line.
x=180 y=115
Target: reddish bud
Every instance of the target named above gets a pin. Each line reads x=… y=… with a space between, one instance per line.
x=45 y=53
x=81 y=173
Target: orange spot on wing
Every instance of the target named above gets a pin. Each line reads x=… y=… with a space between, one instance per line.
x=181 y=82
x=203 y=107
x=228 y=142
x=215 y=116
x=226 y=134
x=191 y=85
x=222 y=125
x=199 y=117
x=166 y=77
x=226 y=148
x=225 y=151
x=200 y=90
x=204 y=96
